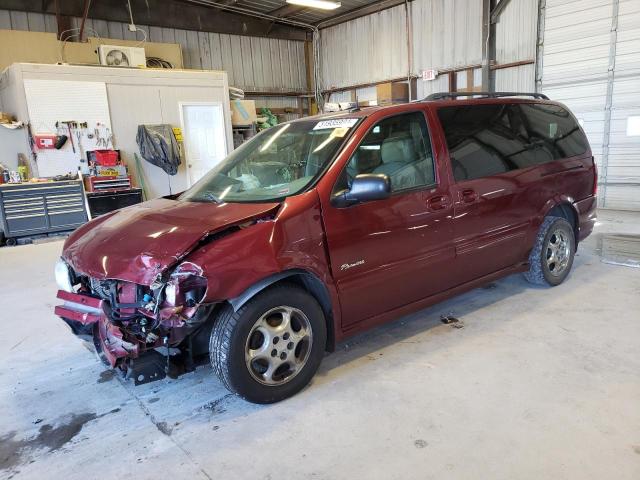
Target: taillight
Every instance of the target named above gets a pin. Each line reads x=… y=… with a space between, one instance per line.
x=595 y=177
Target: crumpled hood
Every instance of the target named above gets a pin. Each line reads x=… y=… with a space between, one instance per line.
x=136 y=243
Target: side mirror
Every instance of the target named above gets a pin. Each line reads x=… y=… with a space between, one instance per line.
x=365 y=187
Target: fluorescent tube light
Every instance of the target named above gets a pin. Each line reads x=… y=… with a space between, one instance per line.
x=321 y=4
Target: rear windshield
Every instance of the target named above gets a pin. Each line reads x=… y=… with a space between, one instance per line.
x=485 y=140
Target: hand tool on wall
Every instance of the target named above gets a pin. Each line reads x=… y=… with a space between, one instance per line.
x=69 y=124
x=62 y=139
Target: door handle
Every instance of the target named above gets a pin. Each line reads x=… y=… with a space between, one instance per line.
x=439 y=202
x=468 y=195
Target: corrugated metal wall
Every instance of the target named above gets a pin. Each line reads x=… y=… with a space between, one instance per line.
x=516 y=34
x=623 y=163
x=516 y=31
x=252 y=63
x=516 y=79
x=365 y=50
x=591 y=61
x=445 y=34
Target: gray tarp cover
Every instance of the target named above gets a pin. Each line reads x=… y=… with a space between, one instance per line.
x=158 y=146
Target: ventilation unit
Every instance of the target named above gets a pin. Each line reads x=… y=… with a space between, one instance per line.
x=119 y=56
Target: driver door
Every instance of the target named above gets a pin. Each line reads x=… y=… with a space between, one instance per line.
x=392 y=252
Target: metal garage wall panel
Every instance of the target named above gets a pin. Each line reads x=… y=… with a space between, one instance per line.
x=516 y=79
x=576 y=40
x=516 y=31
x=368 y=49
x=624 y=150
x=623 y=197
x=252 y=63
x=623 y=166
x=440 y=84
x=364 y=94
x=516 y=36
x=628 y=38
x=338 y=97
x=446 y=33
x=5 y=20
x=374 y=48
x=603 y=90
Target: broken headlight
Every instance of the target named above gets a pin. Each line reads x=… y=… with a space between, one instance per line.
x=64 y=276
x=186 y=286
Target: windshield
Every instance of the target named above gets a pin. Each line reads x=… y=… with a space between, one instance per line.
x=276 y=163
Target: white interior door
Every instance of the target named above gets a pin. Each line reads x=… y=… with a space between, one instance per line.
x=204 y=137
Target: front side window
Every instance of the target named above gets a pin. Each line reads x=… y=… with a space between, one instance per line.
x=398 y=147
x=279 y=162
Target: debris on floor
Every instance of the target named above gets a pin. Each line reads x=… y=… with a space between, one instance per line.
x=449 y=319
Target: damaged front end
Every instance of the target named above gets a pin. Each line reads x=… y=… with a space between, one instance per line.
x=147 y=332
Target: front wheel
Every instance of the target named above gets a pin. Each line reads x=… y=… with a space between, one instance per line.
x=552 y=255
x=271 y=347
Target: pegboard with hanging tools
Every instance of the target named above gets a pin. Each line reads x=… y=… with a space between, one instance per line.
x=67 y=119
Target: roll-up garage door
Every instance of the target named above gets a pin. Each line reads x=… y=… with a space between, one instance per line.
x=589 y=54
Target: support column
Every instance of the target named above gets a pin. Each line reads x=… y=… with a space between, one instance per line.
x=611 y=70
x=542 y=14
x=310 y=75
x=488 y=45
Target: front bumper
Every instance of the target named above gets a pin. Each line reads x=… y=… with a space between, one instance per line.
x=85 y=315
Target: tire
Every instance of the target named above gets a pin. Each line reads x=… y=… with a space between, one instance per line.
x=555 y=237
x=260 y=356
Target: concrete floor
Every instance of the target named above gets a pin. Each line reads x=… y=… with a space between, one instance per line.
x=539 y=384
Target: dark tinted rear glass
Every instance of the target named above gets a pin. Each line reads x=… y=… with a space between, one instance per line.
x=554 y=130
x=486 y=140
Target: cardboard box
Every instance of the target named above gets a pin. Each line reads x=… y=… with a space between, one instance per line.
x=392 y=92
x=243 y=112
x=5 y=118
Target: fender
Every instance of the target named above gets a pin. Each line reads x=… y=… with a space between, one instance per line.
x=316 y=287
x=555 y=201
x=260 y=285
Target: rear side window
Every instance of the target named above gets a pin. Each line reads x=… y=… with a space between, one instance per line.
x=552 y=129
x=486 y=140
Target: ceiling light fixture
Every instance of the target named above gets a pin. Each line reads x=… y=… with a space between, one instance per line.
x=321 y=4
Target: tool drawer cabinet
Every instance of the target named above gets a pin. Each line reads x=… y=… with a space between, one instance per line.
x=34 y=209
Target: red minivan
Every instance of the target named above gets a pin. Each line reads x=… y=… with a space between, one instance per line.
x=320 y=228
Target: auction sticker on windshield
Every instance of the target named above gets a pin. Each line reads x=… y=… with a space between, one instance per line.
x=337 y=123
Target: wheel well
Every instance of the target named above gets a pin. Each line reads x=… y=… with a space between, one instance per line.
x=567 y=212
x=302 y=279
x=317 y=290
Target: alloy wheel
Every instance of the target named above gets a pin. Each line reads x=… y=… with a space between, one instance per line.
x=278 y=345
x=558 y=252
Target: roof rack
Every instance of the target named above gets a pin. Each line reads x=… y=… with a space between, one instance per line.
x=452 y=95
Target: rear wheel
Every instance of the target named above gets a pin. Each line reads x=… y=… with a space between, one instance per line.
x=271 y=347
x=552 y=255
